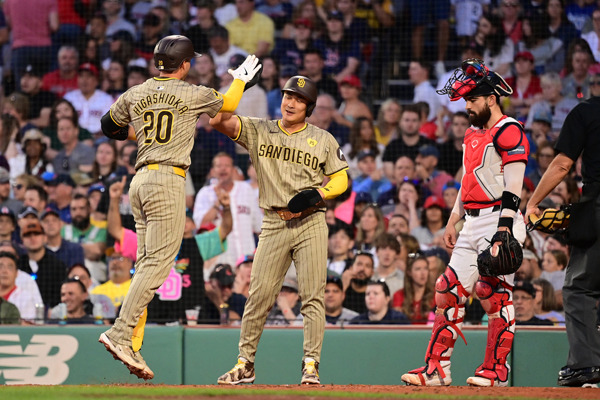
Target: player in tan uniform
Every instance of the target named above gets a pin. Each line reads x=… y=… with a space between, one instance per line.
x=291 y=159
x=162 y=113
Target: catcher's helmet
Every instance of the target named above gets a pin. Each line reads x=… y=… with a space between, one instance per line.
x=474 y=79
x=171 y=51
x=304 y=87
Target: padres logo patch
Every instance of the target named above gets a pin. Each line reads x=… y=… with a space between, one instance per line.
x=340 y=154
x=311 y=142
x=301 y=82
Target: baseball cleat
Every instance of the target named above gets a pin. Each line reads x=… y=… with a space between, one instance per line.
x=242 y=372
x=481 y=381
x=420 y=377
x=133 y=361
x=310 y=373
x=568 y=376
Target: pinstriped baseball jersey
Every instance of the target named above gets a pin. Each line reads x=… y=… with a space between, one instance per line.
x=288 y=163
x=164 y=112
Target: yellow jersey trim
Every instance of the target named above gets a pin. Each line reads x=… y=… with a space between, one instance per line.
x=239 y=131
x=161 y=78
x=113 y=119
x=290 y=133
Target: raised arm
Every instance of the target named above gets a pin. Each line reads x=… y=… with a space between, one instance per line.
x=226 y=123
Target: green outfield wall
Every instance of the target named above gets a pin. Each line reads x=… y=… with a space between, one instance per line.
x=72 y=355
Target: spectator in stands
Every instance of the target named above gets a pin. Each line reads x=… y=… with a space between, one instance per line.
x=404 y=169
x=388 y=119
x=593 y=36
x=397 y=224
x=510 y=11
x=31 y=24
x=498 y=48
x=63 y=108
x=60 y=191
x=324 y=118
x=371 y=225
x=548 y=51
x=269 y=77
x=24 y=298
x=63 y=79
x=91 y=238
x=36 y=197
x=17 y=105
x=9 y=313
x=305 y=9
x=335 y=312
x=119 y=278
x=341 y=55
x=355 y=281
x=105 y=167
x=80 y=271
x=21 y=183
x=545 y=306
x=89 y=102
x=352 y=107
x=450 y=193
x=291 y=51
x=433 y=179
x=112 y=10
x=221 y=49
x=388 y=258
x=416 y=299
x=241 y=285
x=98 y=25
x=114 y=82
x=153 y=29
x=409 y=197
x=47 y=269
x=408 y=143
x=205 y=72
x=554 y=263
x=275 y=95
x=40 y=101
x=75 y=156
x=8 y=224
x=339 y=248
x=122 y=48
x=541 y=132
x=205 y=21
x=314 y=63
x=377 y=299
x=252 y=31
x=362 y=141
x=553 y=102
x=286 y=310
x=559 y=26
x=437 y=258
x=576 y=85
x=433 y=221
x=33 y=161
x=9 y=137
x=418 y=73
x=68 y=252
x=246 y=213
x=280 y=12
x=5 y=199
x=423 y=13
x=4 y=38
x=74 y=295
x=523 y=299
x=525 y=84
x=369 y=178
x=544 y=156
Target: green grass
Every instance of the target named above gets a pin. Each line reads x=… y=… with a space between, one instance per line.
x=151 y=392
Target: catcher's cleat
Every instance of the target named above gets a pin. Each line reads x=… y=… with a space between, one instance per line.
x=310 y=373
x=242 y=372
x=133 y=361
x=420 y=377
x=481 y=381
x=578 y=377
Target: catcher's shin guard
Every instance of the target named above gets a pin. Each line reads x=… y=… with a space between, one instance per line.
x=496 y=300
x=450 y=299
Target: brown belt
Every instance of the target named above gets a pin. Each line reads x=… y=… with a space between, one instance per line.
x=287 y=215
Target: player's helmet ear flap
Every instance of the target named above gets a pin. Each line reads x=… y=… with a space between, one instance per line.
x=304 y=87
x=171 y=51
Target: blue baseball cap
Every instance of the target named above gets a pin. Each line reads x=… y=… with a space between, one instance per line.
x=97 y=187
x=363 y=197
x=451 y=184
x=429 y=150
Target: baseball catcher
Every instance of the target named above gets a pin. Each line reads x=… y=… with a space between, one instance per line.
x=488 y=250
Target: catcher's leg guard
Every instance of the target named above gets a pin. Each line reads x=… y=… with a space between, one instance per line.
x=496 y=300
x=450 y=299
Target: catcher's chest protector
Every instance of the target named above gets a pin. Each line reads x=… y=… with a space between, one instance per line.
x=483 y=179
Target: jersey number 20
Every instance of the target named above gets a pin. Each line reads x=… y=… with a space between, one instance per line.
x=159 y=127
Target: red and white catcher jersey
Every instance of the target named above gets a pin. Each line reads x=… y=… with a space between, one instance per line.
x=485 y=152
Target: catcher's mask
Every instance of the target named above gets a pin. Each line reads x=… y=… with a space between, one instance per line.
x=473 y=78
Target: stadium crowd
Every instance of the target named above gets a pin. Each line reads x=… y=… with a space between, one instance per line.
x=67 y=238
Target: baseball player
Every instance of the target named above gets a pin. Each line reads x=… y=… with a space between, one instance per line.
x=162 y=113
x=495 y=155
x=291 y=158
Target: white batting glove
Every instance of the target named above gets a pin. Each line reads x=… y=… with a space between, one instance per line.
x=247 y=70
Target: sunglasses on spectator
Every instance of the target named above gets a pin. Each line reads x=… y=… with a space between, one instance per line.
x=594 y=83
x=18 y=186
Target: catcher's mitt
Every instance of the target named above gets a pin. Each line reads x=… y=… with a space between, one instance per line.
x=507 y=261
x=551 y=220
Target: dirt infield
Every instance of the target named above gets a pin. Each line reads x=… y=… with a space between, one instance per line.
x=407 y=392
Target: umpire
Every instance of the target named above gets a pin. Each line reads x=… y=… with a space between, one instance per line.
x=580 y=136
